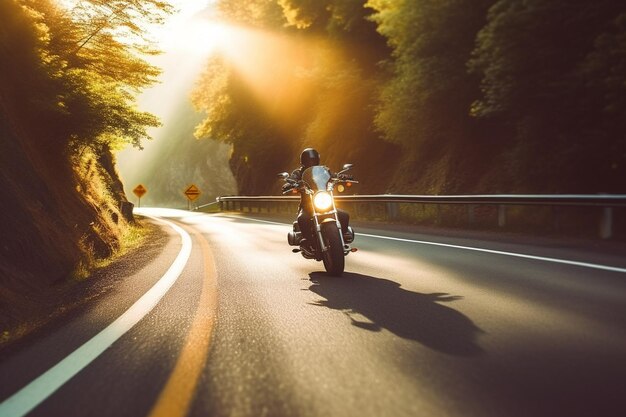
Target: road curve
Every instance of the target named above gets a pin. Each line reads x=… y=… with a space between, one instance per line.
x=411 y=329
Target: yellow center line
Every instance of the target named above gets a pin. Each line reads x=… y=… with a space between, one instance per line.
x=175 y=398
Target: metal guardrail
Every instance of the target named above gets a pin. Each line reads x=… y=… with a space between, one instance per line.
x=607 y=202
x=581 y=200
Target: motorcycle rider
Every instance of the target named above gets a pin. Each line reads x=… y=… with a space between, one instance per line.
x=308 y=158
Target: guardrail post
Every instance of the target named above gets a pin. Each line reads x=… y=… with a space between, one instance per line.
x=471 y=215
x=364 y=209
x=556 y=219
x=392 y=211
x=501 y=215
x=606 y=223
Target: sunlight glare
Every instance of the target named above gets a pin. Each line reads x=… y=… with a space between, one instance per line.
x=201 y=37
x=276 y=69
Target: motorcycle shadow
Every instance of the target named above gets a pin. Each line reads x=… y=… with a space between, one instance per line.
x=409 y=315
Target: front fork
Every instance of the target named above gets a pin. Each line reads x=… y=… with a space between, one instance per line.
x=318 y=226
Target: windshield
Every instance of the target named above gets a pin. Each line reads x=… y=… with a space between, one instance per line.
x=317 y=177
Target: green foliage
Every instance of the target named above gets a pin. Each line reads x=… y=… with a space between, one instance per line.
x=481 y=96
x=67 y=96
x=253 y=13
x=333 y=16
x=602 y=72
x=213 y=99
x=81 y=68
x=553 y=72
x=326 y=81
x=426 y=99
x=234 y=116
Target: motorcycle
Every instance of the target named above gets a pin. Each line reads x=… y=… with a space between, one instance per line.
x=330 y=244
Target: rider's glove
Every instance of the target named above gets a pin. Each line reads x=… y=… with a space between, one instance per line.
x=286 y=187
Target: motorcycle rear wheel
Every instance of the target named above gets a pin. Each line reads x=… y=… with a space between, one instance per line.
x=333 y=258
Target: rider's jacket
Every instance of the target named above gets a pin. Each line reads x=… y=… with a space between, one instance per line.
x=305 y=202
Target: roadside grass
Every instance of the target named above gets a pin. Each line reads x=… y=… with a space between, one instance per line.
x=131 y=237
x=76 y=289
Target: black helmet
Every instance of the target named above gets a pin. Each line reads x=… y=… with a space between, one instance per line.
x=309 y=157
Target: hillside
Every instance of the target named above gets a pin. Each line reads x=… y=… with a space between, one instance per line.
x=51 y=233
x=65 y=105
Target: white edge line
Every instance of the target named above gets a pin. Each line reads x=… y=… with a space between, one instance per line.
x=496 y=252
x=33 y=394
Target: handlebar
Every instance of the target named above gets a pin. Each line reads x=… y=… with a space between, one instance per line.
x=293 y=184
x=298 y=184
x=345 y=179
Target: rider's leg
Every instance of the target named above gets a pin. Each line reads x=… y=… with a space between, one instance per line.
x=344 y=219
x=304 y=221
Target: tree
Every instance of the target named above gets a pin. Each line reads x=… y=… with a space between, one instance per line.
x=430 y=88
x=328 y=78
x=94 y=57
x=545 y=68
x=234 y=116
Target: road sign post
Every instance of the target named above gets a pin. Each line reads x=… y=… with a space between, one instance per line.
x=192 y=193
x=139 y=191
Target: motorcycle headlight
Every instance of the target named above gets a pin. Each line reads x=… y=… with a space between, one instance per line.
x=323 y=201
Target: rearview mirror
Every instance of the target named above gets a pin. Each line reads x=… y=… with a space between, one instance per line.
x=283 y=175
x=346 y=167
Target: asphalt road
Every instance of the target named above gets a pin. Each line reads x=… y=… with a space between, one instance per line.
x=226 y=321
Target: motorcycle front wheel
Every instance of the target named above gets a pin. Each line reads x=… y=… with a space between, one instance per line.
x=333 y=258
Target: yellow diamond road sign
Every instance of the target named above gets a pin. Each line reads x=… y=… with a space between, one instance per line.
x=140 y=190
x=192 y=192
